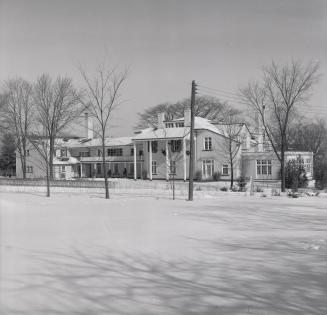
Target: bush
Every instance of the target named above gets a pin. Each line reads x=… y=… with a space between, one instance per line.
x=198 y=175
x=144 y=174
x=224 y=188
x=258 y=189
x=241 y=182
x=295 y=174
x=216 y=176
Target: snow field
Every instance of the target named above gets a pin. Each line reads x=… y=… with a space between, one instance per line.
x=77 y=253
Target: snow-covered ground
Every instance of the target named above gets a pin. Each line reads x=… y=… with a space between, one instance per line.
x=234 y=254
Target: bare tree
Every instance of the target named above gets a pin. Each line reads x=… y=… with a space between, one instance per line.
x=57 y=106
x=231 y=129
x=276 y=99
x=17 y=115
x=101 y=97
x=206 y=106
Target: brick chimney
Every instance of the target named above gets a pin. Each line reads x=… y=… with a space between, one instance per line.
x=161 y=119
x=187 y=117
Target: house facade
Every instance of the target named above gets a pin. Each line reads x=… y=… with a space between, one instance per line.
x=163 y=152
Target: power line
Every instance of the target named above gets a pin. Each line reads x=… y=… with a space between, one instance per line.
x=219 y=90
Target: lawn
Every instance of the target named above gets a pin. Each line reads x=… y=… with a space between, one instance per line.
x=80 y=254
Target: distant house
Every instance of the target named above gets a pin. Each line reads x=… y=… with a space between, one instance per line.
x=164 y=151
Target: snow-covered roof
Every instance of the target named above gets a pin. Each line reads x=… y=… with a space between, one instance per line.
x=109 y=142
x=65 y=161
x=162 y=133
x=177 y=132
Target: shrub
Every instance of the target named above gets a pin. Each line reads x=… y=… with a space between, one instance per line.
x=198 y=175
x=216 y=176
x=144 y=174
x=241 y=182
x=258 y=189
x=224 y=188
x=295 y=174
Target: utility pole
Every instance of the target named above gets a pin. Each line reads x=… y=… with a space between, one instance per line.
x=191 y=170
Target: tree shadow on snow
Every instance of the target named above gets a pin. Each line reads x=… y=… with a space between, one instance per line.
x=98 y=281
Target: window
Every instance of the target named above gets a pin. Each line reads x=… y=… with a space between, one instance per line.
x=207 y=168
x=63 y=152
x=176 y=145
x=131 y=169
x=99 y=152
x=179 y=124
x=208 y=144
x=263 y=167
x=172 y=167
x=154 y=146
x=169 y=125
x=29 y=169
x=132 y=151
x=84 y=154
x=98 y=168
x=141 y=153
x=27 y=152
x=115 y=152
x=63 y=169
x=154 y=167
x=116 y=169
x=225 y=169
x=307 y=165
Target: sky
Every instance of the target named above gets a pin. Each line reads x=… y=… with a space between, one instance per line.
x=165 y=44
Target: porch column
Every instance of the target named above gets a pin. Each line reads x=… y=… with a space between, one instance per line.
x=94 y=172
x=80 y=175
x=184 y=158
x=167 y=161
x=150 y=160
x=135 y=170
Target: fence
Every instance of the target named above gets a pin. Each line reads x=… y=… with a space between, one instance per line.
x=129 y=184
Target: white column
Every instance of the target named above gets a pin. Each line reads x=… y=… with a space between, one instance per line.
x=135 y=171
x=184 y=158
x=81 y=171
x=167 y=161
x=150 y=160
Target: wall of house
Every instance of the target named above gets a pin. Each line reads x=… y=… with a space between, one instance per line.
x=219 y=153
x=35 y=160
x=249 y=165
x=160 y=158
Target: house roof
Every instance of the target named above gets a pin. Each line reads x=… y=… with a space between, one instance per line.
x=177 y=132
x=162 y=133
x=109 y=142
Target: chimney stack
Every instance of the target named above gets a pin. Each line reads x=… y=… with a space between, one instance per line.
x=187 y=117
x=161 y=118
x=88 y=126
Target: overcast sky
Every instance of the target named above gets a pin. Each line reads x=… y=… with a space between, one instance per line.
x=166 y=44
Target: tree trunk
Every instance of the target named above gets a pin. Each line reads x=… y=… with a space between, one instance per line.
x=51 y=152
x=231 y=164
x=104 y=166
x=231 y=175
x=48 y=181
x=23 y=164
x=282 y=168
x=23 y=159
